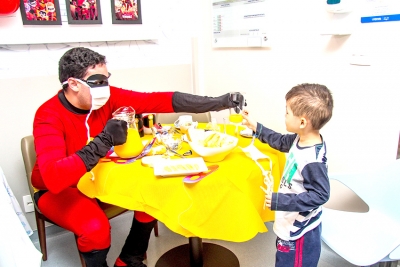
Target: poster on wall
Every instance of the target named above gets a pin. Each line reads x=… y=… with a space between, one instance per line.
x=380 y=11
x=240 y=23
x=40 y=12
x=126 y=12
x=83 y=11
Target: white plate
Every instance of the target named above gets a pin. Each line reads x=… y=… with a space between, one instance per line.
x=179 y=167
x=148 y=161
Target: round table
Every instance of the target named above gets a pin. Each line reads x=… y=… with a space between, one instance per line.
x=226 y=205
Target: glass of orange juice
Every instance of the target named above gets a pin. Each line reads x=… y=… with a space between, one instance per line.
x=236 y=119
x=184 y=127
x=133 y=145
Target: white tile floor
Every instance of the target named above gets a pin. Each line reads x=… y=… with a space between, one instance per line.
x=258 y=252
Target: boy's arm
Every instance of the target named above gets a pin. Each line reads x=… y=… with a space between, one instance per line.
x=316 y=183
x=281 y=142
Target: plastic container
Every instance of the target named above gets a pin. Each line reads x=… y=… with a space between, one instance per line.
x=213 y=126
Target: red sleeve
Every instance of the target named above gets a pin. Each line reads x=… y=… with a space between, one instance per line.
x=142 y=102
x=57 y=166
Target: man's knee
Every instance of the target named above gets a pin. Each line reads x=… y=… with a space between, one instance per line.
x=95 y=235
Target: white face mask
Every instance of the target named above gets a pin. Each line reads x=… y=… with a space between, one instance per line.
x=100 y=96
x=99 y=89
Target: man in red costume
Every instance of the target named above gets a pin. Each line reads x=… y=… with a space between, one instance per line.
x=62 y=129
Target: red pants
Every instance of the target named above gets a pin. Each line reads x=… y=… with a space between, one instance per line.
x=72 y=210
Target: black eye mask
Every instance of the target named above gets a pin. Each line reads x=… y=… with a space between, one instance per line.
x=97 y=80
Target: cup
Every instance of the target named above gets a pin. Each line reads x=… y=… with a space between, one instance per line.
x=183 y=119
x=185 y=126
x=148 y=122
x=139 y=124
x=229 y=128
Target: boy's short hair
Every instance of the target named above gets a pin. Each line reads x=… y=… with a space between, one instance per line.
x=313 y=101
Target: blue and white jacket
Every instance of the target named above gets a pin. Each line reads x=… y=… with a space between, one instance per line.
x=304 y=186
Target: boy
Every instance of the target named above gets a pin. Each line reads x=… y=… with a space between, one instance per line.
x=304 y=187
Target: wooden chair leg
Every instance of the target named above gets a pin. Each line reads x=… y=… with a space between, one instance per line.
x=388 y=264
x=83 y=263
x=42 y=234
x=156 y=229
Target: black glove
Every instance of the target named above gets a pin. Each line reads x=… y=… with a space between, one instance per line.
x=117 y=130
x=114 y=133
x=182 y=102
x=238 y=101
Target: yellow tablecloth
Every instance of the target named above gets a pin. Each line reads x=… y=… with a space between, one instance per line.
x=225 y=205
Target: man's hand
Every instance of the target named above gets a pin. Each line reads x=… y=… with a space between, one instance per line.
x=114 y=133
x=117 y=130
x=237 y=101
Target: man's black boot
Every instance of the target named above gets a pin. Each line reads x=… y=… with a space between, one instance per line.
x=95 y=258
x=136 y=244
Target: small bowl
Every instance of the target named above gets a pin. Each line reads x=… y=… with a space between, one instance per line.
x=215 y=153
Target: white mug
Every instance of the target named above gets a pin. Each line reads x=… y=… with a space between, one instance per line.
x=183 y=119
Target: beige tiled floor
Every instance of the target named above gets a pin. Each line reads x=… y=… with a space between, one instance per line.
x=258 y=252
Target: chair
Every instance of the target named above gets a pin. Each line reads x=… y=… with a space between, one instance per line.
x=170 y=118
x=361 y=221
x=29 y=157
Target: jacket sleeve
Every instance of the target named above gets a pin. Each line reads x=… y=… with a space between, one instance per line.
x=281 y=142
x=183 y=102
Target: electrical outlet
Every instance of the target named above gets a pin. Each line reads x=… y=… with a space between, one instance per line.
x=28 y=203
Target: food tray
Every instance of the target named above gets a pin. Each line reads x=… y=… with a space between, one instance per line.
x=179 y=167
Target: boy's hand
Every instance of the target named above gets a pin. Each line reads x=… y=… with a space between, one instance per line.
x=268 y=198
x=248 y=121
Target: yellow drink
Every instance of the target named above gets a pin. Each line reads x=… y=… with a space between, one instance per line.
x=184 y=129
x=236 y=118
x=132 y=147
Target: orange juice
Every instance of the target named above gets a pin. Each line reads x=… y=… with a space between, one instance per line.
x=184 y=127
x=132 y=147
x=236 y=118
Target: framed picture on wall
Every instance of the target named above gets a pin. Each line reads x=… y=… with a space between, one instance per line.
x=40 y=12
x=126 y=12
x=83 y=11
x=398 y=149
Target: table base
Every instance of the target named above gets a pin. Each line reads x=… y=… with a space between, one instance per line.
x=212 y=256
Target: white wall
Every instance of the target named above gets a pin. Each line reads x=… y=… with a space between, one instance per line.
x=364 y=130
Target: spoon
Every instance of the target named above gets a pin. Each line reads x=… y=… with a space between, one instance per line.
x=187 y=153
